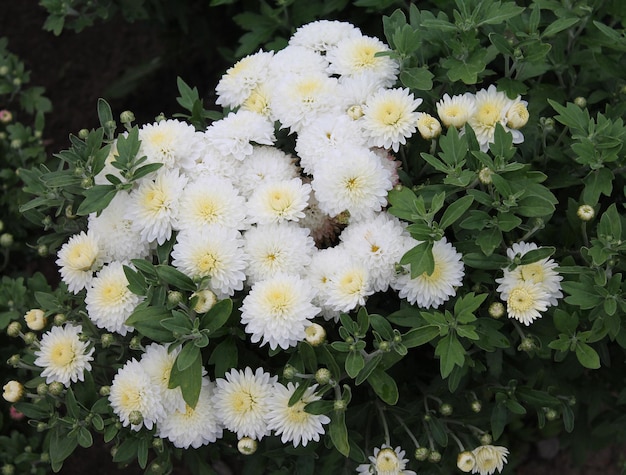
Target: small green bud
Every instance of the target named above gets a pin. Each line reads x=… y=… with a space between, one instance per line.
x=17 y=82
x=86 y=182
x=339 y=405
x=571 y=401
x=484 y=175
x=104 y=391
x=547 y=123
x=476 y=406
x=247 y=446
x=8 y=469
x=135 y=418
x=14 y=329
x=446 y=409
x=83 y=134
x=41 y=426
x=30 y=338
x=14 y=361
x=127 y=117
x=106 y=340
x=42 y=250
x=384 y=346
x=56 y=388
x=135 y=343
x=6 y=240
x=42 y=389
x=343 y=217
x=47 y=220
x=44 y=457
x=527 y=344
x=28 y=449
x=289 y=372
x=496 y=310
x=4 y=70
x=580 y=102
x=174 y=297
x=110 y=125
x=434 y=457
x=157 y=444
x=585 y=213
x=156 y=468
x=486 y=439
x=551 y=414
x=59 y=319
x=323 y=375
x=427 y=417
x=422 y=453
x=159 y=117
x=69 y=210
x=113 y=451
x=16 y=144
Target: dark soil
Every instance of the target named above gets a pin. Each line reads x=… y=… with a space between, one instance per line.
x=77 y=69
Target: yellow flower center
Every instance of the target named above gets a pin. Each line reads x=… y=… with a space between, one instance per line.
x=81 y=256
x=364 y=56
x=388 y=114
x=113 y=292
x=435 y=276
x=131 y=399
x=533 y=272
x=351 y=282
x=208 y=209
x=243 y=402
x=207 y=263
x=280 y=301
x=296 y=413
x=387 y=461
x=279 y=202
x=61 y=354
x=257 y=102
x=487 y=115
x=154 y=200
x=520 y=300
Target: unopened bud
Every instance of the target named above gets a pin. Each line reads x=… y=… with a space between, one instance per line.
x=466 y=461
x=59 y=319
x=106 y=340
x=486 y=439
x=355 y=112
x=484 y=175
x=422 y=453
x=42 y=250
x=496 y=310
x=446 y=409
x=580 y=102
x=476 y=406
x=247 y=446
x=289 y=372
x=174 y=297
x=36 y=319
x=159 y=117
x=4 y=70
x=127 y=117
x=206 y=300
x=12 y=391
x=323 y=376
x=135 y=343
x=41 y=426
x=30 y=338
x=14 y=329
x=585 y=213
x=5 y=116
x=42 y=389
x=551 y=414
x=104 y=391
x=343 y=217
x=135 y=418
x=86 y=182
x=434 y=457
x=527 y=344
x=16 y=144
x=517 y=116
x=315 y=334
x=8 y=469
x=547 y=123
x=83 y=133
x=6 y=240
x=14 y=360
x=56 y=388
x=157 y=444
x=429 y=127
x=339 y=405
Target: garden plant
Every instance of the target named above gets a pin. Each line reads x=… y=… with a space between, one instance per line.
x=378 y=255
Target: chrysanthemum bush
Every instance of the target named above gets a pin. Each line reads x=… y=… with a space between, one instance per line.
x=400 y=256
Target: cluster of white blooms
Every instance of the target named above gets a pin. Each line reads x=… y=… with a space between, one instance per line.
x=483 y=111
x=531 y=288
x=484 y=460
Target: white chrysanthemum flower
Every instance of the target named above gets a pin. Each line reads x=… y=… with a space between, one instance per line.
x=235 y=133
x=115 y=233
x=259 y=101
x=541 y=272
x=295 y=60
x=455 y=111
x=235 y=87
x=386 y=461
x=62 y=354
x=264 y=165
x=170 y=142
x=489 y=458
x=428 y=127
x=211 y=200
x=517 y=116
x=241 y=401
x=322 y=137
x=354 y=91
x=466 y=461
x=109 y=302
x=432 y=290
x=491 y=108
x=277 y=310
x=378 y=243
x=155 y=204
x=13 y=391
x=323 y=35
x=357 y=55
x=157 y=362
x=278 y=201
x=78 y=259
x=352 y=180
x=215 y=252
x=299 y=99
x=193 y=426
x=526 y=300
x=390 y=117
x=292 y=423
x=277 y=248
x=134 y=397
x=349 y=285
x=320 y=272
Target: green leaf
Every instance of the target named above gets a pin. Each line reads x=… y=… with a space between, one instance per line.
x=84 y=438
x=96 y=199
x=299 y=392
x=587 y=356
x=498 y=420
x=142 y=453
x=382 y=326
x=71 y=404
x=597 y=182
x=455 y=210
x=307 y=353
x=451 y=353
x=537 y=255
x=105 y=115
x=339 y=433
x=127 y=451
x=354 y=363
x=536 y=398
x=568 y=417
x=559 y=25
x=136 y=282
x=498 y=13
x=565 y=322
x=610 y=226
x=384 y=386
x=438 y=431
x=187 y=356
x=582 y=295
x=174 y=277
x=488 y=240
x=420 y=336
x=368 y=368
x=147 y=321
x=420 y=79
x=189 y=380
x=61 y=446
x=217 y=316
x=420 y=258
x=224 y=357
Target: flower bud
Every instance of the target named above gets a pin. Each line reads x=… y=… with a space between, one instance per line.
x=12 y=391
x=4 y=70
x=135 y=418
x=429 y=127
x=83 y=134
x=496 y=310
x=106 y=340
x=135 y=343
x=42 y=389
x=174 y=297
x=56 y=388
x=289 y=372
x=465 y=461
x=551 y=414
x=384 y=346
x=16 y=144
x=157 y=444
x=486 y=439
x=585 y=213
x=580 y=102
x=36 y=319
x=247 y=446
x=104 y=391
x=206 y=300
x=434 y=457
x=547 y=123
x=86 y=182
x=484 y=175
x=159 y=117
x=30 y=338
x=14 y=329
x=323 y=376
x=59 y=319
x=6 y=240
x=5 y=116
x=8 y=469
x=14 y=360
x=446 y=409
x=517 y=116
x=422 y=453
x=41 y=426
x=127 y=117
x=476 y=406
x=42 y=250
x=527 y=344
x=315 y=334
x=355 y=112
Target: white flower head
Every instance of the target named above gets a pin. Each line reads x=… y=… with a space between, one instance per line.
x=323 y=35
x=390 y=117
x=211 y=200
x=12 y=391
x=109 y=301
x=114 y=230
x=235 y=87
x=241 y=401
x=431 y=290
x=265 y=164
x=78 y=259
x=155 y=204
x=349 y=285
x=466 y=461
x=489 y=458
x=215 y=252
x=63 y=355
x=526 y=300
x=357 y=55
x=134 y=394
x=292 y=423
x=236 y=133
x=278 y=201
x=455 y=111
x=299 y=99
x=354 y=180
x=277 y=310
x=517 y=116
x=429 y=127
x=170 y=142
x=295 y=60
x=277 y=248
x=386 y=461
x=193 y=426
x=157 y=362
